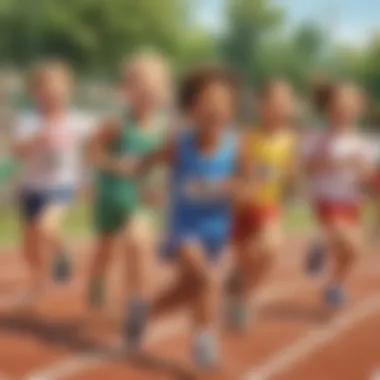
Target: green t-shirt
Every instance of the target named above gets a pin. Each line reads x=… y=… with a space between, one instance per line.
x=135 y=142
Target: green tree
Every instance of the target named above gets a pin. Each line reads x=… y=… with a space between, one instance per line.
x=371 y=68
x=93 y=34
x=249 y=24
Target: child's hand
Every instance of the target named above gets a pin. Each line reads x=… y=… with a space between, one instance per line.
x=125 y=167
x=152 y=197
x=42 y=139
x=353 y=163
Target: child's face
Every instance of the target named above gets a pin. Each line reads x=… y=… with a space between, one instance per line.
x=146 y=85
x=278 y=106
x=53 y=90
x=346 y=105
x=214 y=107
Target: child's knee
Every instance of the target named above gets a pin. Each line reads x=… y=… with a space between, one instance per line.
x=31 y=233
x=194 y=266
x=266 y=244
x=139 y=236
x=49 y=221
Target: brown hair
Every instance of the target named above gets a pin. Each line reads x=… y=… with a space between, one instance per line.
x=195 y=82
x=323 y=93
x=38 y=72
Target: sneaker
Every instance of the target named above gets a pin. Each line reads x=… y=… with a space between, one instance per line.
x=96 y=293
x=205 y=351
x=135 y=322
x=315 y=260
x=238 y=314
x=334 y=296
x=61 y=268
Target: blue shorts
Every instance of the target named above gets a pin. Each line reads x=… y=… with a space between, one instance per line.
x=33 y=202
x=213 y=246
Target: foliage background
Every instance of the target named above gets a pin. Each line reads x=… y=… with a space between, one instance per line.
x=95 y=35
x=257 y=37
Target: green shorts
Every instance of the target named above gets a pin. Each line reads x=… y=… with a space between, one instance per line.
x=110 y=216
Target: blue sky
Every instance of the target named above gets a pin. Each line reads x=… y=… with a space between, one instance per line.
x=350 y=20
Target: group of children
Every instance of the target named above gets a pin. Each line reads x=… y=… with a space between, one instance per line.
x=221 y=187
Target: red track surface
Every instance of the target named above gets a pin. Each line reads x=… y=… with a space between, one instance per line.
x=293 y=337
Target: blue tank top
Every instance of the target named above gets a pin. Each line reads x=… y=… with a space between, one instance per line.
x=194 y=215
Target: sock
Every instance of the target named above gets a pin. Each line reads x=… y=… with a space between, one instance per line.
x=206 y=348
x=138 y=308
x=206 y=337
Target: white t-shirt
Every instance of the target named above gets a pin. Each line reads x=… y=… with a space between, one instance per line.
x=343 y=184
x=59 y=164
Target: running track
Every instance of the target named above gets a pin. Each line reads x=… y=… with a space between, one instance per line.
x=293 y=338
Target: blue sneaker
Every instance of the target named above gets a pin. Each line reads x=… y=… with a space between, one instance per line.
x=334 y=296
x=316 y=257
x=135 y=323
x=61 y=268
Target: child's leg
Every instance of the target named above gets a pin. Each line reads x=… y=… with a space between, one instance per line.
x=375 y=223
x=205 y=303
x=254 y=258
x=345 y=241
x=49 y=223
x=41 y=233
x=139 y=310
x=110 y=218
x=258 y=255
x=140 y=265
x=32 y=241
x=105 y=247
x=31 y=204
x=140 y=258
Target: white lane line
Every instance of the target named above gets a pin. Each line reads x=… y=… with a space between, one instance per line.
x=287 y=358
x=160 y=332
x=375 y=375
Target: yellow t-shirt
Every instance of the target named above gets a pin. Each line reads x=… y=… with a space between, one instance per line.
x=270 y=155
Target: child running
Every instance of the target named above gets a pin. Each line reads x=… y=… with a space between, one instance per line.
x=117 y=208
x=202 y=161
x=48 y=142
x=267 y=166
x=374 y=190
x=338 y=166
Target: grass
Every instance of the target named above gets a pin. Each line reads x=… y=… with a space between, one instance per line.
x=78 y=224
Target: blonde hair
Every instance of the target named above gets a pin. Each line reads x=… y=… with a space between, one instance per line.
x=40 y=70
x=150 y=60
x=146 y=57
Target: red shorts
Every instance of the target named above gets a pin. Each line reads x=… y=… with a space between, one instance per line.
x=251 y=219
x=376 y=183
x=329 y=211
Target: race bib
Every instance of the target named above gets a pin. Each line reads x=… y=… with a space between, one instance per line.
x=203 y=191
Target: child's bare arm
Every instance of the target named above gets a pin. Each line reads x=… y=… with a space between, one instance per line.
x=245 y=180
x=164 y=155
x=98 y=148
x=23 y=147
